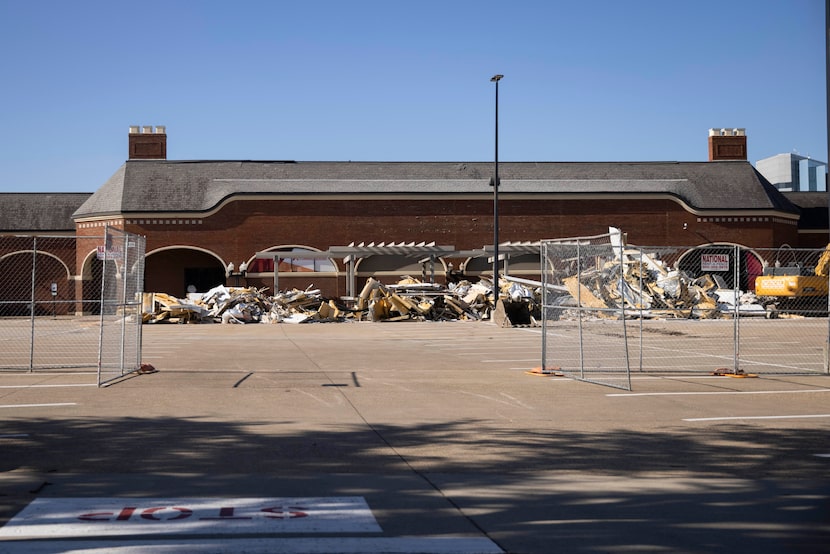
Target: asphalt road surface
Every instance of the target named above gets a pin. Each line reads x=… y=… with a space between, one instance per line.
x=405 y=437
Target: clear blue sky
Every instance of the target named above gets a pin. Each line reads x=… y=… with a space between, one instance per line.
x=593 y=80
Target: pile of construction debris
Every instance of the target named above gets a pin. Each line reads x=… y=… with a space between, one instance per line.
x=646 y=288
x=669 y=294
x=407 y=300
x=639 y=284
x=630 y=282
x=220 y=304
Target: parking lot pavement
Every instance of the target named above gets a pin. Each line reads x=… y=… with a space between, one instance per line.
x=428 y=436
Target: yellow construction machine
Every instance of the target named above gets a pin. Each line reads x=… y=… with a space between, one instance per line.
x=796 y=287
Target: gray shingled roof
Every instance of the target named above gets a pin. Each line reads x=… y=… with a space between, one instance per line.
x=39 y=212
x=813 y=205
x=807 y=199
x=148 y=186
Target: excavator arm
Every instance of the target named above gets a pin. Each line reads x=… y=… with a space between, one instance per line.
x=823 y=265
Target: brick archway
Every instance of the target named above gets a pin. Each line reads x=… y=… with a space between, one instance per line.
x=172 y=270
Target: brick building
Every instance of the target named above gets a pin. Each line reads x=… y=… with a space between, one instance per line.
x=201 y=216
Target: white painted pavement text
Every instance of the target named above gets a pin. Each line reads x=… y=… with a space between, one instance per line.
x=84 y=517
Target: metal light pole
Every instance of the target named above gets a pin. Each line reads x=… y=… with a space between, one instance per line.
x=496 y=79
x=827 y=178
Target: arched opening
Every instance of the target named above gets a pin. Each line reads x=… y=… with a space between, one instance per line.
x=51 y=293
x=390 y=268
x=478 y=265
x=518 y=264
x=177 y=270
x=292 y=261
x=92 y=272
x=526 y=265
x=299 y=267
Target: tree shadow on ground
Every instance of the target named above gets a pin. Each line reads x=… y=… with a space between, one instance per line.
x=770 y=494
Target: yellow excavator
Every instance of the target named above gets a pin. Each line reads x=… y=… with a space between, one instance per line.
x=797 y=287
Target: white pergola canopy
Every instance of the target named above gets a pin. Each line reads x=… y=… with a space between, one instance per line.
x=428 y=252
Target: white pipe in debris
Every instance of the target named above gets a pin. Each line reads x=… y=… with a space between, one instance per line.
x=530 y=283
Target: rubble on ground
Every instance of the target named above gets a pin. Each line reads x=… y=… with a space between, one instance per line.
x=407 y=300
x=647 y=289
x=650 y=289
x=634 y=283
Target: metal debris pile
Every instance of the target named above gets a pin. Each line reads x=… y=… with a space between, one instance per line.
x=643 y=286
x=407 y=300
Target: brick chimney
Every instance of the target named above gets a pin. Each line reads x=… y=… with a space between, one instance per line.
x=147 y=143
x=727 y=144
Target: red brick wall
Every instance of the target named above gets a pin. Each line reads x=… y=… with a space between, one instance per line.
x=241 y=228
x=730 y=147
x=147 y=146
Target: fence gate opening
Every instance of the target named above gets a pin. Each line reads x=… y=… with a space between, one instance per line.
x=611 y=309
x=72 y=304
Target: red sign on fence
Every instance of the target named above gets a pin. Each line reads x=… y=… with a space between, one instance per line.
x=110 y=253
x=714 y=262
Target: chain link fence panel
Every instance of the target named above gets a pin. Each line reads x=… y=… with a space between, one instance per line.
x=71 y=312
x=792 y=288
x=583 y=335
x=122 y=286
x=719 y=309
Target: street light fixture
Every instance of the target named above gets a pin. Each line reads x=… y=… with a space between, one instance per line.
x=230 y=271
x=495 y=183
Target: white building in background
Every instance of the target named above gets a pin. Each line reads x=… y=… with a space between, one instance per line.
x=794 y=173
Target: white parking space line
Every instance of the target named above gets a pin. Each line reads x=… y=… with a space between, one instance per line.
x=22 y=372
x=38 y=405
x=474 y=350
x=56 y=386
x=509 y=360
x=715 y=393
x=678 y=377
x=733 y=418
